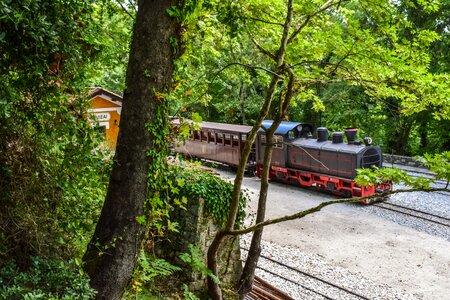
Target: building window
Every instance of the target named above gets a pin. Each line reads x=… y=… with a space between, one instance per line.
x=101 y=130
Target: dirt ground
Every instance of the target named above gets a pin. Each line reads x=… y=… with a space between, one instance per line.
x=346 y=236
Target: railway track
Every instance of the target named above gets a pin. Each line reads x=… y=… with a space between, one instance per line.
x=335 y=291
x=422 y=173
x=418 y=214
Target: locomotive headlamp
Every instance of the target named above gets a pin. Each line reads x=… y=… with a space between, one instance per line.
x=367 y=141
x=299 y=128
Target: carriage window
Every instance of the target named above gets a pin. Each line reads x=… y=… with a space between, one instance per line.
x=227 y=138
x=212 y=137
x=291 y=134
x=196 y=135
x=204 y=136
x=235 y=140
x=219 y=138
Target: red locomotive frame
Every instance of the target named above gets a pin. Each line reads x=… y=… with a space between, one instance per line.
x=338 y=186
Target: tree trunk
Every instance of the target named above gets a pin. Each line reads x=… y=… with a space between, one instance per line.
x=213 y=288
x=241 y=103
x=248 y=273
x=399 y=136
x=113 y=251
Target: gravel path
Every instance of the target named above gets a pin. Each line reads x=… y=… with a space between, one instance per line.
x=315 y=265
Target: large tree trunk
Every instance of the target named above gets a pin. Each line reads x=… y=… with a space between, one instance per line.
x=112 y=253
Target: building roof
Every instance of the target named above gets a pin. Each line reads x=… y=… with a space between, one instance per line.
x=107 y=95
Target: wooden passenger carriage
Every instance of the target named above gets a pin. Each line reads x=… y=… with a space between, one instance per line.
x=218 y=142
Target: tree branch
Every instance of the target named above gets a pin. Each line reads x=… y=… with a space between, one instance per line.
x=126 y=11
x=262 y=49
x=303 y=21
x=317 y=208
x=266 y=22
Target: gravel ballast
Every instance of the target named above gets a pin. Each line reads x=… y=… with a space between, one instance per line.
x=311 y=288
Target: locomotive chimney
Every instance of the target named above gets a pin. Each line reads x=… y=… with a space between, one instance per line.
x=322 y=134
x=350 y=133
x=337 y=137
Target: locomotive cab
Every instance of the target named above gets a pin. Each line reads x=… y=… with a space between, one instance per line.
x=284 y=135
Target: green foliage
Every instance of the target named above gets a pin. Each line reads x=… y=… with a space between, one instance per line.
x=438 y=163
x=53 y=173
x=45 y=279
x=186 y=12
x=148 y=268
x=113 y=35
x=188 y=295
x=159 y=204
x=215 y=191
x=378 y=176
x=195 y=260
x=231 y=95
x=182 y=183
x=374 y=65
x=53 y=180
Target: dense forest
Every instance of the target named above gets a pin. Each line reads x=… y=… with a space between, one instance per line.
x=381 y=66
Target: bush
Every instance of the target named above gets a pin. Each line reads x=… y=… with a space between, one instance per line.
x=45 y=279
x=53 y=180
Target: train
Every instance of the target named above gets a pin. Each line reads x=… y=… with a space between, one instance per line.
x=298 y=157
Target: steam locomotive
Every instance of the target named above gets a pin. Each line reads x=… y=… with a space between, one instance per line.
x=327 y=165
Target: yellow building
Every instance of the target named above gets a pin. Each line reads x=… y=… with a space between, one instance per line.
x=105 y=112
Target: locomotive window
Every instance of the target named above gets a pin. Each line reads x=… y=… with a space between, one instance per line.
x=244 y=137
x=263 y=138
x=278 y=142
x=291 y=134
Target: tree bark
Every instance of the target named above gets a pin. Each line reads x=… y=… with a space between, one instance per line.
x=114 y=248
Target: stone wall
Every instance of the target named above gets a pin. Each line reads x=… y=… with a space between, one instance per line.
x=389 y=159
x=198 y=228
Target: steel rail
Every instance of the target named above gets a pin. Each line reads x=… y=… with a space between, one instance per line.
x=297 y=283
x=409 y=214
x=418 y=210
x=429 y=174
x=309 y=275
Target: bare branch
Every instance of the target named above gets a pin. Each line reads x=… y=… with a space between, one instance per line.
x=266 y=22
x=250 y=67
x=263 y=50
x=126 y=10
x=303 y=21
x=343 y=58
x=317 y=208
